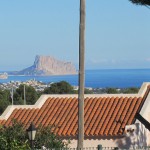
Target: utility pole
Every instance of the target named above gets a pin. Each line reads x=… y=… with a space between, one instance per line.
x=12 y=95
x=81 y=76
x=24 y=95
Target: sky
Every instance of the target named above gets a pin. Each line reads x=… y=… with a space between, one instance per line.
x=117 y=33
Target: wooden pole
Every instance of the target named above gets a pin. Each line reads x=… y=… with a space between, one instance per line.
x=81 y=76
x=12 y=95
x=24 y=95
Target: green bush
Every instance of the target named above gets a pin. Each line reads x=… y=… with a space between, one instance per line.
x=15 y=137
x=45 y=137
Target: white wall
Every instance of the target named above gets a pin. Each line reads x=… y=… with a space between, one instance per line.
x=138 y=138
x=145 y=113
x=94 y=143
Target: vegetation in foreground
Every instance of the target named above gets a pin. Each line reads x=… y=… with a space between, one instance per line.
x=15 y=138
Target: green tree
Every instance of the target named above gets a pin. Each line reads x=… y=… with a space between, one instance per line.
x=31 y=95
x=62 y=87
x=4 y=100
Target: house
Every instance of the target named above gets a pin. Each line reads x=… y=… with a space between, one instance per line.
x=112 y=120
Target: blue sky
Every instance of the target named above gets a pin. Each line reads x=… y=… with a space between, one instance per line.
x=117 y=33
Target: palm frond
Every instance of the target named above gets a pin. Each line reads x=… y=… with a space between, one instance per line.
x=141 y=2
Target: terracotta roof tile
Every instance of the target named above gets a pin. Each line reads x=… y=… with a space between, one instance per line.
x=42 y=113
x=72 y=115
x=112 y=115
x=22 y=115
x=131 y=118
x=74 y=127
x=96 y=116
x=8 y=121
x=30 y=113
x=93 y=116
x=64 y=118
x=106 y=117
x=103 y=115
x=2 y=122
x=26 y=116
x=52 y=110
x=68 y=121
x=122 y=115
x=102 y=112
x=116 y=120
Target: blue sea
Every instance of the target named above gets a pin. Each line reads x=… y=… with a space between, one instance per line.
x=118 y=78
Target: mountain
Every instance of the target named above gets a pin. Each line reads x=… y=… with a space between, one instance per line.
x=47 y=65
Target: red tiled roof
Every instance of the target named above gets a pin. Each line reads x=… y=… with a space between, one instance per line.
x=104 y=116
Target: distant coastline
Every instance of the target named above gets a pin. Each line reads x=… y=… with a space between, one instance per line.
x=43 y=75
x=117 y=78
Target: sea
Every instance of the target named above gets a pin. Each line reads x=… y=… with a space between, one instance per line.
x=103 y=78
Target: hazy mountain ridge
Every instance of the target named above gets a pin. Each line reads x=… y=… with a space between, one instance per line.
x=47 y=65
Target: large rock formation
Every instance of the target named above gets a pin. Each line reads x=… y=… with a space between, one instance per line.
x=47 y=65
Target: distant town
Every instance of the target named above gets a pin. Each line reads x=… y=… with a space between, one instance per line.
x=39 y=86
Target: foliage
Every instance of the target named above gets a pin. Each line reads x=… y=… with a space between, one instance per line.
x=116 y=90
x=87 y=91
x=4 y=100
x=141 y=2
x=13 y=137
x=31 y=95
x=130 y=90
x=45 y=137
x=111 y=91
x=62 y=87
